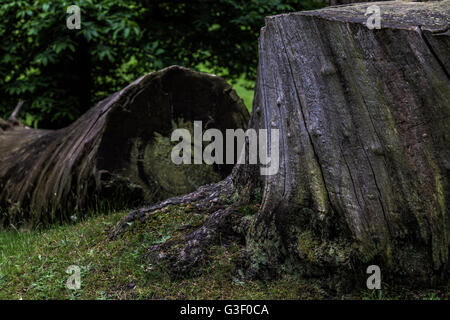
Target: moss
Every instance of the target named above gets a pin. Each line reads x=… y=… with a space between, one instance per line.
x=307 y=246
x=317 y=185
x=234 y=197
x=159 y=176
x=249 y=210
x=170 y=222
x=438 y=185
x=439 y=244
x=319 y=252
x=257 y=194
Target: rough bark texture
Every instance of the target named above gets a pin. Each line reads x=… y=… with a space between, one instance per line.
x=364 y=120
x=364 y=117
x=343 y=2
x=109 y=152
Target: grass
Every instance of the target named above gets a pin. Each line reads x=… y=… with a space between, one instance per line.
x=33 y=265
x=242 y=86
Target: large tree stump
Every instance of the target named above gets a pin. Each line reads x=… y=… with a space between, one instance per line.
x=365 y=151
x=364 y=120
x=108 y=154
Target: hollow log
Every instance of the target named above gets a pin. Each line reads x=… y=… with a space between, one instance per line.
x=108 y=155
x=364 y=120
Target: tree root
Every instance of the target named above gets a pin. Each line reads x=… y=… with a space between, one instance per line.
x=205 y=199
x=223 y=225
x=186 y=256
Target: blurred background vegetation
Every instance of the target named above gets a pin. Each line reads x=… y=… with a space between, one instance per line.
x=60 y=73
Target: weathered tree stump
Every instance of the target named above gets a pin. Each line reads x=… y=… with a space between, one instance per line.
x=340 y=2
x=364 y=120
x=108 y=154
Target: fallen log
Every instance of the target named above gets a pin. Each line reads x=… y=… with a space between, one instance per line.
x=109 y=156
x=364 y=120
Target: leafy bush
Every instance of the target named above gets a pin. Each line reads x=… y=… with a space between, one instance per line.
x=60 y=73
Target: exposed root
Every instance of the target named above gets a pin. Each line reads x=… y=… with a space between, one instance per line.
x=206 y=198
x=223 y=225
x=188 y=254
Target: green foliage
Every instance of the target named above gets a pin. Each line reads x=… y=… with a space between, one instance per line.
x=60 y=73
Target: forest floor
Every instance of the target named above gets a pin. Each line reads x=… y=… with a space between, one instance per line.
x=33 y=265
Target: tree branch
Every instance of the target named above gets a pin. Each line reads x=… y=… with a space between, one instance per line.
x=13 y=116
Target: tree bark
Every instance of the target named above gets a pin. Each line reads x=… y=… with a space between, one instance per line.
x=342 y=2
x=106 y=157
x=364 y=120
x=339 y=2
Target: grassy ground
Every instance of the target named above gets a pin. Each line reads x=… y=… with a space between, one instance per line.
x=33 y=266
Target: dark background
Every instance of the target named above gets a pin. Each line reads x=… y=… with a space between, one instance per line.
x=60 y=73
